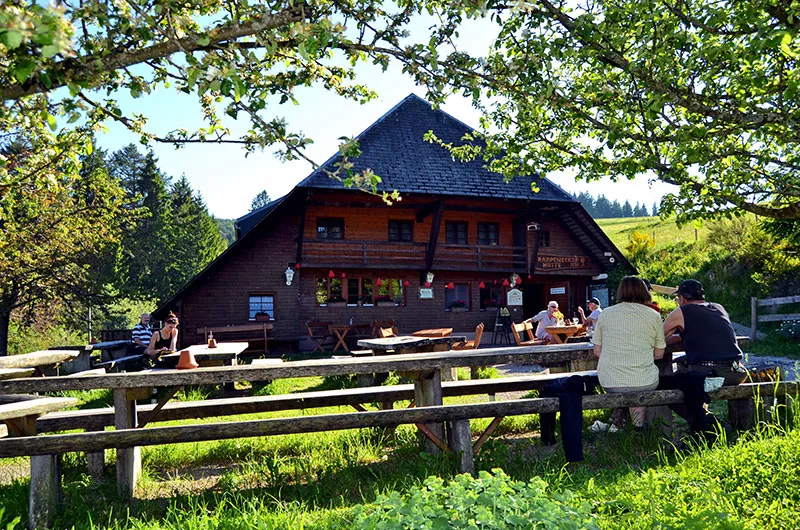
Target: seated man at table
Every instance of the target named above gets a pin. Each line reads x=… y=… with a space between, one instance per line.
x=709 y=341
x=545 y=318
x=590 y=321
x=140 y=336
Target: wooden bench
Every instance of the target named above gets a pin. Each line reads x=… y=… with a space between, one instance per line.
x=257 y=331
x=527 y=329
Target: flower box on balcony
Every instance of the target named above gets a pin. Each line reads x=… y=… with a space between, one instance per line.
x=262 y=317
x=458 y=309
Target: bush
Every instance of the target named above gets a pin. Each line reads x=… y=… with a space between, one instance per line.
x=493 y=500
x=790 y=329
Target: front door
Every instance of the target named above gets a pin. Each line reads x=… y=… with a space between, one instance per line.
x=533 y=299
x=559 y=291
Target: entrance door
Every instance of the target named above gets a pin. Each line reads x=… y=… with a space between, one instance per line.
x=559 y=291
x=533 y=299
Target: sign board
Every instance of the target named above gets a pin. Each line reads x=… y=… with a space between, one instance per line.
x=426 y=293
x=558 y=290
x=514 y=297
x=544 y=262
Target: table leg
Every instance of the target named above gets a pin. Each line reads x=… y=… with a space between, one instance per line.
x=129 y=460
x=428 y=392
x=340 y=335
x=231 y=386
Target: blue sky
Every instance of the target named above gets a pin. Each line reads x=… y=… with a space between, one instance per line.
x=228 y=180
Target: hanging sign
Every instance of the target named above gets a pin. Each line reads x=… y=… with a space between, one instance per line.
x=544 y=262
x=425 y=293
x=514 y=297
x=558 y=290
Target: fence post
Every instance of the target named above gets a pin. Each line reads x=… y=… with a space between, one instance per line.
x=753 y=317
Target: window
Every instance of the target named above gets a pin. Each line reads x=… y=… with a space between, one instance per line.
x=328 y=290
x=457 y=299
x=354 y=291
x=544 y=238
x=487 y=234
x=390 y=291
x=456 y=232
x=262 y=303
x=400 y=231
x=491 y=296
x=330 y=228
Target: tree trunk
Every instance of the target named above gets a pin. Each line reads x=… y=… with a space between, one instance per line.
x=5 y=318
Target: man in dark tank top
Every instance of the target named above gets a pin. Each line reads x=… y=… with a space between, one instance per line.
x=709 y=340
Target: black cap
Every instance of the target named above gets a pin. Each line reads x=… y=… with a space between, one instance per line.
x=647 y=284
x=595 y=301
x=691 y=289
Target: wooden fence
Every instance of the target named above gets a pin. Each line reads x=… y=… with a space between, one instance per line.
x=755 y=318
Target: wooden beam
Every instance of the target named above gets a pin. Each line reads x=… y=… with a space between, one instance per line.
x=436 y=226
x=432 y=437
x=300 y=236
x=129 y=458
x=485 y=436
x=427 y=210
x=58 y=443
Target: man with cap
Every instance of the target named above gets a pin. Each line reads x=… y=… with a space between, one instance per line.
x=709 y=341
x=591 y=320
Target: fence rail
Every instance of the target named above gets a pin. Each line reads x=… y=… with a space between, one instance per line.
x=755 y=318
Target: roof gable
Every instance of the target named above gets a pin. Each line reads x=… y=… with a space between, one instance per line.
x=394 y=148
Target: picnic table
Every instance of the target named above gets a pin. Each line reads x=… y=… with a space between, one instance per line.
x=560 y=334
x=340 y=333
x=38 y=360
x=226 y=353
x=436 y=332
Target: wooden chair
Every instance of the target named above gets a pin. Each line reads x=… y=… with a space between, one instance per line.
x=377 y=325
x=471 y=344
x=527 y=329
x=320 y=333
x=385 y=333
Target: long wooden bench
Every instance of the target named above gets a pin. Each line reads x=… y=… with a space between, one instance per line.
x=255 y=332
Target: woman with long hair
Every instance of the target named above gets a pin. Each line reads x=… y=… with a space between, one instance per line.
x=165 y=339
x=628 y=338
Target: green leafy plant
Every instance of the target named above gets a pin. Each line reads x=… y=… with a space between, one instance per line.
x=493 y=500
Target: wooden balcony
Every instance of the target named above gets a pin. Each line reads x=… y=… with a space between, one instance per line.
x=384 y=255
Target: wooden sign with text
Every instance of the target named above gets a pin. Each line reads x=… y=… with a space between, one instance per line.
x=544 y=262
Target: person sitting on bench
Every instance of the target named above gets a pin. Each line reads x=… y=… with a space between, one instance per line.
x=165 y=339
x=141 y=335
x=710 y=344
x=628 y=338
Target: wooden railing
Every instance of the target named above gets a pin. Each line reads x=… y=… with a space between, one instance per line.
x=755 y=318
x=410 y=255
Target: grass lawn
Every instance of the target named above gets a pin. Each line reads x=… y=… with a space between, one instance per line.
x=665 y=232
x=325 y=480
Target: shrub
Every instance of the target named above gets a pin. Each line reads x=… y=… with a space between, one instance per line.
x=493 y=500
x=790 y=329
x=640 y=246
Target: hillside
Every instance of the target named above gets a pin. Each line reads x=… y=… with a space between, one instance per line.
x=665 y=232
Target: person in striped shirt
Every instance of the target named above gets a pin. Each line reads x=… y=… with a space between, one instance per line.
x=628 y=338
x=141 y=334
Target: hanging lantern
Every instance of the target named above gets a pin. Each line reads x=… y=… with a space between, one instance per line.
x=519 y=280
x=427 y=285
x=529 y=277
x=344 y=276
x=481 y=285
x=506 y=283
x=378 y=282
x=406 y=283
x=331 y=274
x=451 y=285
x=495 y=282
x=296 y=265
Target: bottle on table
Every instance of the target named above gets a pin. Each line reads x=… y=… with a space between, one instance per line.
x=212 y=342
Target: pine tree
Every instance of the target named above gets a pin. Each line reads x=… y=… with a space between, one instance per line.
x=260 y=200
x=627 y=210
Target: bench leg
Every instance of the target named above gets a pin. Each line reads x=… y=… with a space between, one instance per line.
x=428 y=392
x=129 y=460
x=460 y=440
x=45 y=490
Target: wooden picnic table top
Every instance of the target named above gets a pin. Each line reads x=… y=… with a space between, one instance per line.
x=435 y=332
x=316 y=367
x=20 y=406
x=223 y=351
x=406 y=342
x=13 y=373
x=37 y=358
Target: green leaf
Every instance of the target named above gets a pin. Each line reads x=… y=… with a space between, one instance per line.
x=22 y=69
x=50 y=50
x=12 y=39
x=203 y=41
x=238 y=89
x=51 y=122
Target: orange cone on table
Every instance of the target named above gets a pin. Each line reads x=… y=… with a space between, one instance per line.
x=187 y=360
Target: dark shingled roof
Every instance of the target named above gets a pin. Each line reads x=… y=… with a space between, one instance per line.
x=393 y=147
x=248 y=221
